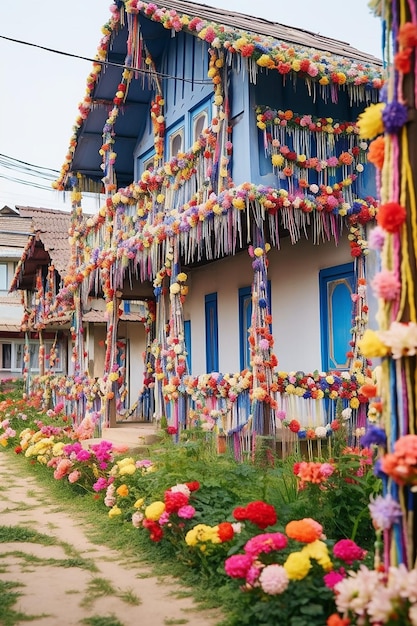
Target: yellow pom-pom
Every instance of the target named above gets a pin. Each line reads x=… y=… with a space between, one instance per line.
x=370 y=121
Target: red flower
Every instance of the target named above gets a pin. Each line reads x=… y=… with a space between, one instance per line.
x=258 y=512
x=193 y=486
x=172 y=430
x=391 y=216
x=174 y=500
x=225 y=531
x=18 y=449
x=155 y=531
x=294 y=426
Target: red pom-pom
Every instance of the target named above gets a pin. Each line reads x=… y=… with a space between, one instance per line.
x=391 y=216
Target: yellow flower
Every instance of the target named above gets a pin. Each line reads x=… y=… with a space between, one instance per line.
x=324 y=80
x=370 y=121
x=258 y=252
x=297 y=565
x=3 y=442
x=154 y=511
x=127 y=470
x=354 y=403
x=238 y=203
x=265 y=61
x=114 y=512
x=182 y=277
x=139 y=503
x=277 y=160
x=371 y=346
x=318 y=551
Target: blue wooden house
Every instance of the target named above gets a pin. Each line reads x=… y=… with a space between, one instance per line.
x=237 y=198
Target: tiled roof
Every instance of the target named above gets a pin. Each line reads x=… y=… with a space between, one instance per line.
x=52 y=229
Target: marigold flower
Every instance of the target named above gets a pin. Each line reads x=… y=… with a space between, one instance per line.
x=154 y=511
x=305 y=530
x=297 y=565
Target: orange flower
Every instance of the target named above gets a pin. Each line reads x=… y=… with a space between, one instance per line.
x=305 y=530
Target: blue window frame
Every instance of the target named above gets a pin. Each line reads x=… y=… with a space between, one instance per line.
x=212 y=333
x=187 y=341
x=245 y=321
x=245 y=315
x=145 y=162
x=175 y=139
x=336 y=287
x=199 y=119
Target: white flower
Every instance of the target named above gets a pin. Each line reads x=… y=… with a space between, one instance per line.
x=181 y=488
x=347 y=413
x=401 y=338
x=356 y=591
x=321 y=432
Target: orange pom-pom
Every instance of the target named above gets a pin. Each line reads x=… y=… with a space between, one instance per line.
x=407 y=35
x=376 y=152
x=402 y=61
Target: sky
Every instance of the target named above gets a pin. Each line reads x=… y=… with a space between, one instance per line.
x=41 y=90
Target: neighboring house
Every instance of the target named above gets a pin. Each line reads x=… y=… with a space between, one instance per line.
x=14 y=232
x=215 y=134
x=42 y=256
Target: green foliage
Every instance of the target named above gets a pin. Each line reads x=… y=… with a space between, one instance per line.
x=341 y=506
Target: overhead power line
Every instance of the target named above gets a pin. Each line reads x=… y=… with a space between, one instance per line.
x=147 y=72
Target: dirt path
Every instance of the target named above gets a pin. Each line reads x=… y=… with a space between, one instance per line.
x=98 y=582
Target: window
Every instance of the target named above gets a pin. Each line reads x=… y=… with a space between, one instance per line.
x=199 y=119
x=187 y=341
x=175 y=140
x=145 y=162
x=13 y=356
x=245 y=321
x=6 y=354
x=336 y=288
x=245 y=315
x=4 y=280
x=212 y=333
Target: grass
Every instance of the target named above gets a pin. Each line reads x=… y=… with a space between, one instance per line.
x=31 y=559
x=9 y=595
x=99 y=620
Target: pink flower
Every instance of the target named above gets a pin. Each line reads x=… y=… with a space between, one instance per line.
x=386 y=285
x=266 y=542
x=63 y=468
x=348 y=551
x=237 y=565
x=186 y=512
x=74 y=476
x=274 y=579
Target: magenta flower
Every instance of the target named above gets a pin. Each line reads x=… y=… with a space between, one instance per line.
x=266 y=542
x=237 y=565
x=348 y=551
x=332 y=578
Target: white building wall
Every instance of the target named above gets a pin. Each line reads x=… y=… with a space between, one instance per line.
x=294 y=275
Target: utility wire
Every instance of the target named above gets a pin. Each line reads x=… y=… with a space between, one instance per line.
x=39 y=167
x=150 y=73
